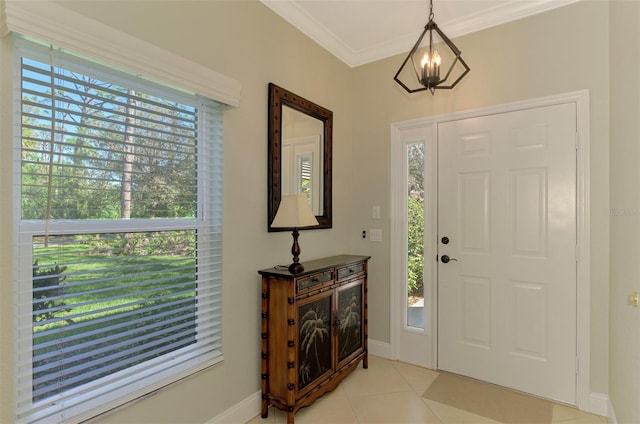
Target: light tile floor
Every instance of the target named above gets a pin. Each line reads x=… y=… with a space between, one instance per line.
x=390 y=392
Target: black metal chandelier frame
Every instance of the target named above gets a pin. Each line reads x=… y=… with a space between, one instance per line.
x=431 y=83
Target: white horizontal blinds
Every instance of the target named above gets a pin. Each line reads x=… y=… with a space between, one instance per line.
x=101 y=306
x=101 y=128
x=119 y=236
x=305 y=171
x=209 y=242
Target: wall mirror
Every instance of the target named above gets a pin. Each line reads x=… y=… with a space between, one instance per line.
x=300 y=143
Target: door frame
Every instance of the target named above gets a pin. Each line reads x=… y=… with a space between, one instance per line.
x=426 y=128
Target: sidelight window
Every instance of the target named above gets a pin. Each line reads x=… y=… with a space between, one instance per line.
x=415 y=235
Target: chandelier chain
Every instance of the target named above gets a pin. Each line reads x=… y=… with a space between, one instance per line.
x=431 y=15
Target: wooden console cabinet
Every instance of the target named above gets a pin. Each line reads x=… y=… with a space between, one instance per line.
x=314 y=330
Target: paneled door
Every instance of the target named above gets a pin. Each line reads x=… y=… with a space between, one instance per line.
x=507 y=249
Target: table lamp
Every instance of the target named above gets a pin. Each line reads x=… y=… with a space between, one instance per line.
x=294 y=212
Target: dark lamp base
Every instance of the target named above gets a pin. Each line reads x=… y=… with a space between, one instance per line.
x=296 y=268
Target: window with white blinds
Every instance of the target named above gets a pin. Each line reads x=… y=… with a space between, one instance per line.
x=119 y=236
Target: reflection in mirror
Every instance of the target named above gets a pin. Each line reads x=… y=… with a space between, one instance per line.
x=300 y=144
x=302 y=141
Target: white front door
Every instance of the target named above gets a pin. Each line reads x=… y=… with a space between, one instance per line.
x=507 y=205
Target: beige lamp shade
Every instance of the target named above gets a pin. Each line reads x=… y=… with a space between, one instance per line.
x=294 y=212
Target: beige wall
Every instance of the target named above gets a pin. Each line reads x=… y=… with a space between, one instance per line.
x=530 y=58
x=625 y=206
x=248 y=42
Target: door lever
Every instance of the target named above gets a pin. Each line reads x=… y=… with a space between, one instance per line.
x=446 y=259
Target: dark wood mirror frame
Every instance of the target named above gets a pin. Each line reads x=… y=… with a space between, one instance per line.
x=279 y=97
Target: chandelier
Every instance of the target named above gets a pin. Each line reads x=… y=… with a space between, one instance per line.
x=427 y=69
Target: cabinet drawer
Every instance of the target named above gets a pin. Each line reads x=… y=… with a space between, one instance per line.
x=314 y=281
x=350 y=271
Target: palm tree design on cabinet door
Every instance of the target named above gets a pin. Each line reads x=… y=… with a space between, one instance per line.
x=314 y=333
x=350 y=327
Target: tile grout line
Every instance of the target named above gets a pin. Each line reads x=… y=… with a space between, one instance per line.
x=423 y=400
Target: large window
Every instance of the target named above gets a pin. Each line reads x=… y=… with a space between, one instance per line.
x=118 y=235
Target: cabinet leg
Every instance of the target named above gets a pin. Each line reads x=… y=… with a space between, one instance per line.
x=265 y=409
x=289 y=417
x=365 y=360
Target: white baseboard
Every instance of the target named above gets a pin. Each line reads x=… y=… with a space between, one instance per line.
x=241 y=412
x=611 y=414
x=382 y=349
x=599 y=404
x=247 y=409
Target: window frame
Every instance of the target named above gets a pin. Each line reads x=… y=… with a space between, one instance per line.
x=209 y=195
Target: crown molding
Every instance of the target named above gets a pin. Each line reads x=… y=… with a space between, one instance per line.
x=291 y=11
x=502 y=14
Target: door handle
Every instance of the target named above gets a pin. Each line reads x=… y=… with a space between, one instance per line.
x=446 y=259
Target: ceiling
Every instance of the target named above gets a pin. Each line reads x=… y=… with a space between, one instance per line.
x=362 y=31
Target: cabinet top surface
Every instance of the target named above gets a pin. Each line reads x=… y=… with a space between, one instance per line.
x=315 y=265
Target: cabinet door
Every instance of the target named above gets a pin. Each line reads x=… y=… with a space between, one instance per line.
x=349 y=322
x=315 y=344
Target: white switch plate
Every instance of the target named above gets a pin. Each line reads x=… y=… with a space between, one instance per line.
x=375 y=234
x=375 y=212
